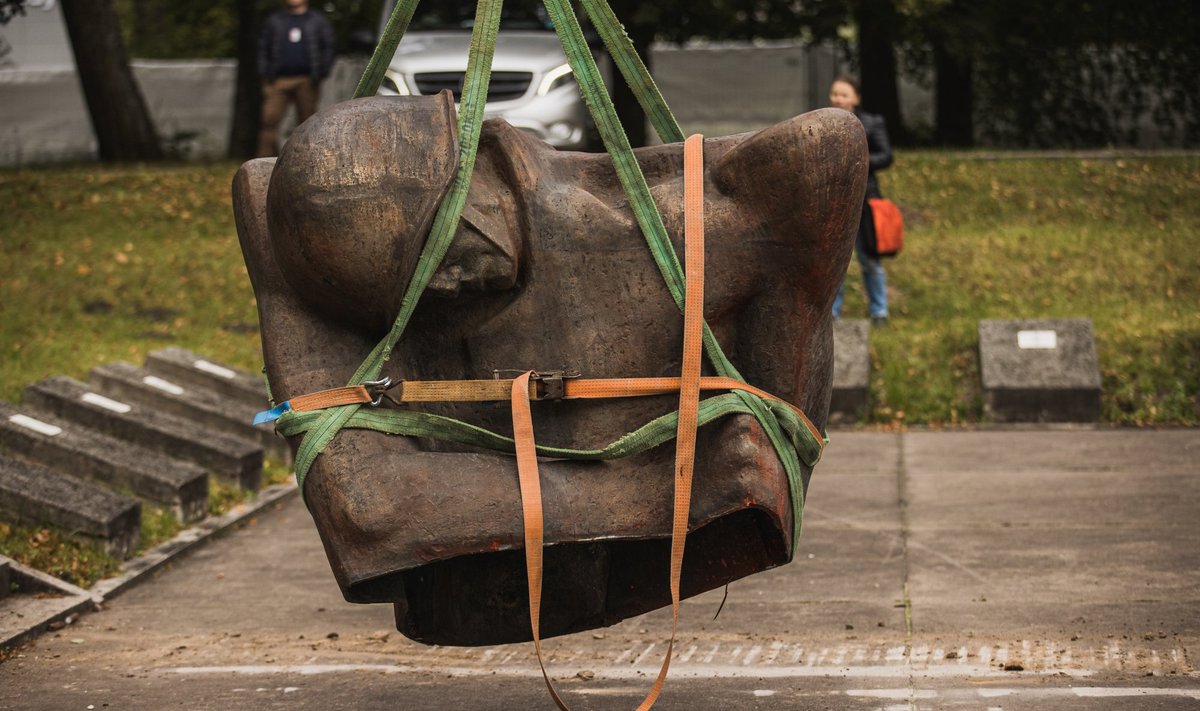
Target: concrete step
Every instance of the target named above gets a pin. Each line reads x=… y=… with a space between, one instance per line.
x=851 y=369
x=233 y=459
x=5 y=578
x=37 y=602
x=34 y=494
x=191 y=370
x=1039 y=370
x=128 y=383
x=45 y=439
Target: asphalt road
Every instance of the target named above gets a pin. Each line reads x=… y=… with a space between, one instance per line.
x=1003 y=569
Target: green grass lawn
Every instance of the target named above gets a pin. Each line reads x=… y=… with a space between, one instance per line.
x=104 y=264
x=1110 y=240
x=108 y=264
x=100 y=265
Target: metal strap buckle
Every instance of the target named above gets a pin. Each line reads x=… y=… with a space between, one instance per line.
x=549 y=383
x=377 y=388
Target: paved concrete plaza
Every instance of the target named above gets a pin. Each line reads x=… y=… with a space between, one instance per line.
x=998 y=569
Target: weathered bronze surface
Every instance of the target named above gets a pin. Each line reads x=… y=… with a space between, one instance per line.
x=548 y=270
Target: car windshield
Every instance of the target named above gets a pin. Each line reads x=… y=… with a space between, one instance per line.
x=460 y=15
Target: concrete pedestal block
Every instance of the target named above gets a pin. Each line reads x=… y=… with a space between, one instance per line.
x=35 y=602
x=129 y=383
x=194 y=371
x=37 y=495
x=87 y=454
x=1039 y=371
x=233 y=459
x=851 y=368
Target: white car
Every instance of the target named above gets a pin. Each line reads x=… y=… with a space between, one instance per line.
x=532 y=86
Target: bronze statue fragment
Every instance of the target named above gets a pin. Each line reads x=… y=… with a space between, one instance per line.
x=548 y=270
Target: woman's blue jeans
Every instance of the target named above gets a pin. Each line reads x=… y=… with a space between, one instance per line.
x=875 y=282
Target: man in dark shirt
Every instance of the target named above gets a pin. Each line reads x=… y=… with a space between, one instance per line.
x=295 y=53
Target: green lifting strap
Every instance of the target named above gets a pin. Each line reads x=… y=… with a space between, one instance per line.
x=445 y=224
x=792 y=442
x=649 y=219
x=634 y=71
x=659 y=430
x=389 y=39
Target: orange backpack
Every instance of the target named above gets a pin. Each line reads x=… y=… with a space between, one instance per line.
x=889 y=227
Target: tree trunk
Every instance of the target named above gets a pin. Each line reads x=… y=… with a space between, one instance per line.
x=877 y=63
x=124 y=129
x=955 y=99
x=247 y=96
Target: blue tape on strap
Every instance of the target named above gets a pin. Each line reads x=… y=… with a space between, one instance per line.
x=272 y=414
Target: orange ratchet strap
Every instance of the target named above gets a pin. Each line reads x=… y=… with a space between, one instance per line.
x=554 y=385
x=685 y=450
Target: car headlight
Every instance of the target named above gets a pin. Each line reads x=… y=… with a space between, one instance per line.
x=556 y=77
x=563 y=131
x=394 y=82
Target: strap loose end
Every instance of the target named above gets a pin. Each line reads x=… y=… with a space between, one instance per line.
x=273 y=414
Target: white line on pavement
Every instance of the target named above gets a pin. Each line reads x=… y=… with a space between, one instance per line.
x=692 y=671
